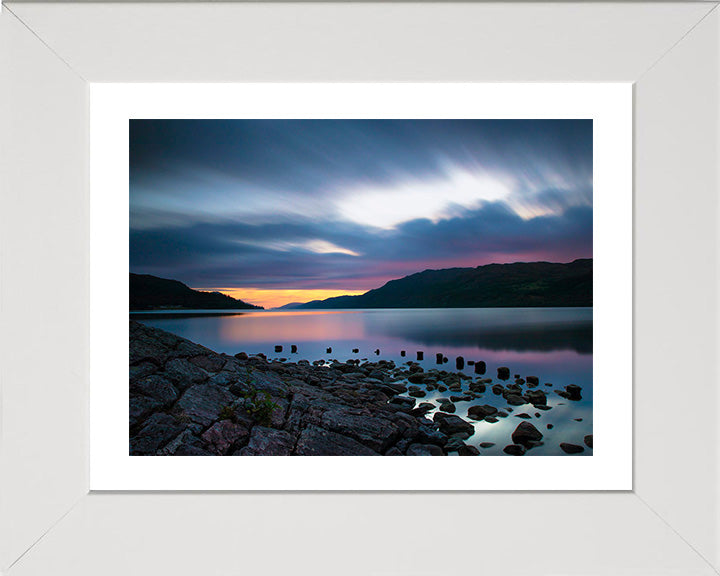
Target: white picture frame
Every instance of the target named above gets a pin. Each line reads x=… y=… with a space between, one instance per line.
x=668 y=523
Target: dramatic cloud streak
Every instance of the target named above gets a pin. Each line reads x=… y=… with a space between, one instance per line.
x=347 y=205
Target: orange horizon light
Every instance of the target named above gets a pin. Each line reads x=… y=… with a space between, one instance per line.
x=276 y=298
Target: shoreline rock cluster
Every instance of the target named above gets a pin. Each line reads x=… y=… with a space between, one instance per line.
x=188 y=400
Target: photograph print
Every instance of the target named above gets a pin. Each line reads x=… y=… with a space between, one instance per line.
x=361 y=287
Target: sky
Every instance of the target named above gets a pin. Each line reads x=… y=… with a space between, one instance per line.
x=279 y=211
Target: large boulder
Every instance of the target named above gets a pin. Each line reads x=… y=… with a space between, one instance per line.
x=526 y=434
x=452 y=424
x=479 y=412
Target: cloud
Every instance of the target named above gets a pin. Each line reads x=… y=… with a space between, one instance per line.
x=323 y=255
x=352 y=204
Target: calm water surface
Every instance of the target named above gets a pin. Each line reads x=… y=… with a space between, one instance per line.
x=554 y=344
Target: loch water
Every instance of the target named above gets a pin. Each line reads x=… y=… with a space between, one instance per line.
x=554 y=344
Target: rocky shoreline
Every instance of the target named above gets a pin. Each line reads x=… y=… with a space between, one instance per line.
x=187 y=400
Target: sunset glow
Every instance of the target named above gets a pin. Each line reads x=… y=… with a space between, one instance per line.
x=275 y=298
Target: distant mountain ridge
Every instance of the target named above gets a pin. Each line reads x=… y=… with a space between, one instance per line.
x=521 y=284
x=152 y=293
x=289 y=306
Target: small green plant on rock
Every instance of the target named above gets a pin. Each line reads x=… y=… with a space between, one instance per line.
x=261 y=406
x=227 y=413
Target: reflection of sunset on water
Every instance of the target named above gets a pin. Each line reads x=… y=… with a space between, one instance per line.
x=280 y=327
